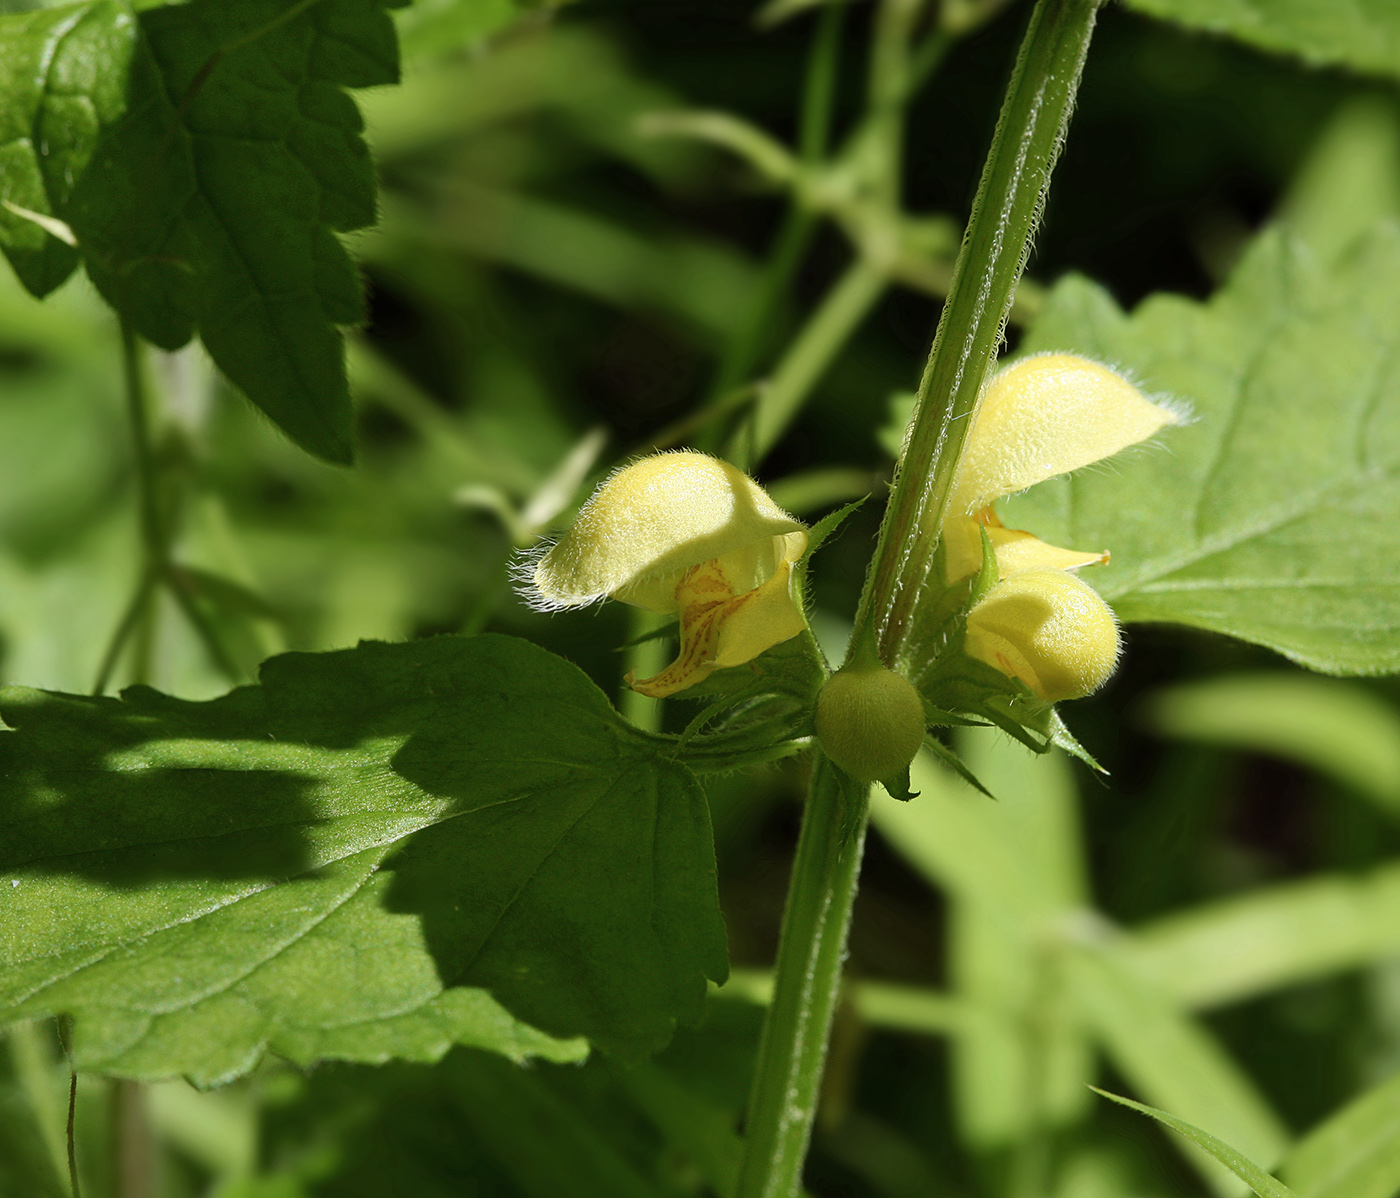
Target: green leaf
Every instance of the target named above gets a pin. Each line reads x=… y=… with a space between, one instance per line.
x=1337 y=728
x=344 y=860
x=1243 y=1168
x=1361 y=34
x=1242 y=947
x=62 y=72
x=204 y=155
x=1011 y=869
x=1355 y=1153
x=1270 y=517
x=1173 y=1060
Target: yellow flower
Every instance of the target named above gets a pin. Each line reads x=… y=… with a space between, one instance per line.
x=683 y=534
x=1043 y=416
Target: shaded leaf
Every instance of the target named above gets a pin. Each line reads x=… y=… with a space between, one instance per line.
x=345 y=860
x=204 y=155
x=539 y=1140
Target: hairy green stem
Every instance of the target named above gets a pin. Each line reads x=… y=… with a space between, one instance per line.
x=792 y=1050
x=1027 y=141
x=1034 y=115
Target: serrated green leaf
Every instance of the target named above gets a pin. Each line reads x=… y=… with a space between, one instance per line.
x=1355 y=1153
x=344 y=860
x=204 y=155
x=1361 y=34
x=1241 y=1166
x=1270 y=517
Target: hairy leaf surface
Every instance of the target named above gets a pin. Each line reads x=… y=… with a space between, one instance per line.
x=1270 y=517
x=361 y=857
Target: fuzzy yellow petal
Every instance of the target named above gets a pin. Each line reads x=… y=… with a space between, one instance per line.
x=1047 y=415
x=654 y=520
x=1048 y=629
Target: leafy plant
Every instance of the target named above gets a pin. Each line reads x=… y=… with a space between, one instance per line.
x=353 y=897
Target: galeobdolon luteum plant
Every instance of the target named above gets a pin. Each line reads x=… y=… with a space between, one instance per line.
x=558 y=880
x=688 y=535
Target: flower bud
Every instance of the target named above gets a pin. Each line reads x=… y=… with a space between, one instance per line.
x=870 y=722
x=1048 y=629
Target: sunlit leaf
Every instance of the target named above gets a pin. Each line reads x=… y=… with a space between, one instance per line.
x=1271 y=516
x=1241 y=1166
x=1362 y=34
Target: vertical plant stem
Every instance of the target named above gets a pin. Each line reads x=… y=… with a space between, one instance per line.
x=798 y=225
x=807 y=983
x=31 y=1059
x=138 y=619
x=1029 y=132
x=1009 y=200
x=133 y=1146
x=845 y=306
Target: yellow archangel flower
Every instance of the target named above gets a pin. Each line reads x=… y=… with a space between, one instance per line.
x=689 y=535
x=1043 y=416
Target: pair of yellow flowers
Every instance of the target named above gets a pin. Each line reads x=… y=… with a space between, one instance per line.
x=689 y=535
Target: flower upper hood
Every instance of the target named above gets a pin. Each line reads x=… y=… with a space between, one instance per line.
x=688 y=534
x=1040 y=417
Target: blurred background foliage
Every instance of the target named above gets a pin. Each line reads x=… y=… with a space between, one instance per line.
x=560 y=279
